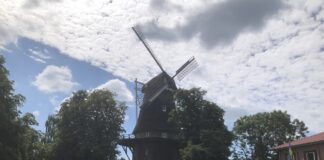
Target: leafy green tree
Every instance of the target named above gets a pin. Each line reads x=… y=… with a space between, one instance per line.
x=200 y=123
x=50 y=139
x=31 y=147
x=256 y=135
x=87 y=127
x=9 y=116
x=18 y=140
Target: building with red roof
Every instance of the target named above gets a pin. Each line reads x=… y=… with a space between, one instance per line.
x=307 y=148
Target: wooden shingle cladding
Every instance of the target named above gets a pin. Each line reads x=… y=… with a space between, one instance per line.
x=154 y=136
x=312 y=145
x=154 y=115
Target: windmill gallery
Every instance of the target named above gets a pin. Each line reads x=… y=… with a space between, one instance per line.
x=154 y=137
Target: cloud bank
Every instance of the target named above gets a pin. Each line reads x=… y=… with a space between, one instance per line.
x=219 y=23
x=271 y=59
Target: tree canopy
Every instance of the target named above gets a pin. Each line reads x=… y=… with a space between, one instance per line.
x=200 y=123
x=87 y=127
x=257 y=134
x=18 y=140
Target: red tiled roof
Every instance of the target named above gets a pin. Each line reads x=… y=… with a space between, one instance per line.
x=303 y=141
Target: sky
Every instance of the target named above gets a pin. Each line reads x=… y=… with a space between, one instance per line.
x=254 y=55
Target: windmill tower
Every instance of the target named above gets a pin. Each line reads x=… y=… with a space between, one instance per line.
x=154 y=137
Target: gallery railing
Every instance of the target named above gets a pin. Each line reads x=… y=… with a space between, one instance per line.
x=149 y=135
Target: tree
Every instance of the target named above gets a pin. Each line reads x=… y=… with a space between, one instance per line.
x=256 y=135
x=9 y=115
x=200 y=123
x=31 y=147
x=18 y=140
x=87 y=127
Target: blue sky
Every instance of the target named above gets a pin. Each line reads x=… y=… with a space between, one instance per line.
x=24 y=68
x=253 y=55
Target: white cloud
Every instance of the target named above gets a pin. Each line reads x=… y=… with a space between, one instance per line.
x=278 y=66
x=39 y=56
x=120 y=89
x=55 y=79
x=35 y=113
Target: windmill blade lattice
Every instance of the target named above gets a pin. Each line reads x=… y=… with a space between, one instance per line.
x=186 y=68
x=140 y=35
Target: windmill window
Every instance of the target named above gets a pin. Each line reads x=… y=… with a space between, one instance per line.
x=164 y=108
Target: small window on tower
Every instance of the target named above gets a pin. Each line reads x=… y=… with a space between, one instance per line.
x=164 y=108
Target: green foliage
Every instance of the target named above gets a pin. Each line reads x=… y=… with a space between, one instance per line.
x=9 y=116
x=18 y=140
x=31 y=146
x=193 y=151
x=257 y=134
x=202 y=132
x=87 y=127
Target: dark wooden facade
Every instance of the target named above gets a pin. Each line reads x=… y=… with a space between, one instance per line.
x=154 y=137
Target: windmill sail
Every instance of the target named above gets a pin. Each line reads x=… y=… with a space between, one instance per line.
x=186 y=68
x=148 y=48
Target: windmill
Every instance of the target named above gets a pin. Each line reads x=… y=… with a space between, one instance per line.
x=154 y=137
